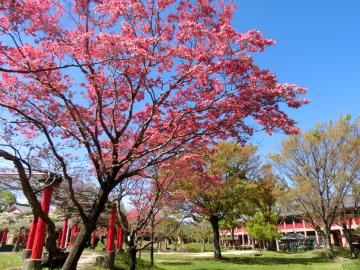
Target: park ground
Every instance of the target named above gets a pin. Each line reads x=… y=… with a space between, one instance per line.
x=311 y=260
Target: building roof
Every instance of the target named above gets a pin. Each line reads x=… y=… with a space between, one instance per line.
x=18 y=208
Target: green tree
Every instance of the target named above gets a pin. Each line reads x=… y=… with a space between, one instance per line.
x=6 y=197
x=320 y=169
x=265 y=193
x=230 y=222
x=202 y=232
x=262 y=228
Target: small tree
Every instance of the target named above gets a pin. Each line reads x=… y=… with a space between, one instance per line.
x=151 y=206
x=203 y=232
x=266 y=189
x=230 y=222
x=262 y=229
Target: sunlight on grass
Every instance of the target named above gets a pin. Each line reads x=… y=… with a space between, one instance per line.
x=268 y=261
x=313 y=260
x=9 y=259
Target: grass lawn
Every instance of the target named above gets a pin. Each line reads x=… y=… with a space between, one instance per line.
x=9 y=260
x=312 y=260
x=268 y=261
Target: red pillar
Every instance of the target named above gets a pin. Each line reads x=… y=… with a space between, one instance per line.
x=59 y=237
x=74 y=229
x=72 y=234
x=19 y=236
x=41 y=226
x=4 y=236
x=119 y=238
x=63 y=235
x=110 y=236
x=30 y=239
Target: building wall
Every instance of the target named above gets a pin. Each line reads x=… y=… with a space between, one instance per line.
x=303 y=227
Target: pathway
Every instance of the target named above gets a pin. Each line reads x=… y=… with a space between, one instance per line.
x=88 y=259
x=209 y=254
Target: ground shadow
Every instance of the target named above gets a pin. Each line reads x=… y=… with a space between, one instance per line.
x=259 y=260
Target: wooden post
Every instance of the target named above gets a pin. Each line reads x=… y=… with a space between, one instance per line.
x=317 y=238
x=4 y=236
x=242 y=239
x=277 y=245
x=110 y=236
x=119 y=238
x=110 y=258
x=68 y=232
x=294 y=225
x=41 y=226
x=35 y=261
x=73 y=233
x=63 y=235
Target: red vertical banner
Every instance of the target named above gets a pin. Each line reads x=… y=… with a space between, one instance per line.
x=41 y=226
x=110 y=236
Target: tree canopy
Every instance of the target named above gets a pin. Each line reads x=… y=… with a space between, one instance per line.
x=320 y=168
x=126 y=85
x=6 y=197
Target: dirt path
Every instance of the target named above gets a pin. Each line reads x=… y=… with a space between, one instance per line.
x=209 y=254
x=88 y=259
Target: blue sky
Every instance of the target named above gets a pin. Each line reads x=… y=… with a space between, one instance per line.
x=318 y=47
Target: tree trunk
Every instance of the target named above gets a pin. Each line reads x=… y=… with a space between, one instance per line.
x=132 y=254
x=86 y=230
x=175 y=245
x=50 y=243
x=349 y=240
x=277 y=245
x=203 y=245
x=216 y=236
x=152 y=246
x=141 y=240
x=328 y=245
x=152 y=254
x=233 y=237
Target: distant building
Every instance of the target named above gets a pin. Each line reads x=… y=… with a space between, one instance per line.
x=296 y=224
x=18 y=208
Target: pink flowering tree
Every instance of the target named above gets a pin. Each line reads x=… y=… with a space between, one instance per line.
x=212 y=183
x=124 y=85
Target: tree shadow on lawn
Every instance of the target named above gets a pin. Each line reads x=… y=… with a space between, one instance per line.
x=263 y=260
x=179 y=263
x=276 y=260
